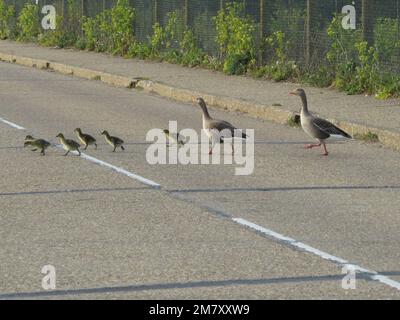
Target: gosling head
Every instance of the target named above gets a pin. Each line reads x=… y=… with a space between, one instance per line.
x=78 y=130
x=166 y=131
x=60 y=135
x=105 y=132
x=29 y=137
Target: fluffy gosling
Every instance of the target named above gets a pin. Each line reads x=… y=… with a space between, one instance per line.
x=174 y=138
x=37 y=144
x=113 y=141
x=69 y=145
x=86 y=139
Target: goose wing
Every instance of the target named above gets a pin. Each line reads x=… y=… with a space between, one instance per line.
x=88 y=138
x=221 y=125
x=117 y=141
x=329 y=128
x=43 y=143
x=73 y=144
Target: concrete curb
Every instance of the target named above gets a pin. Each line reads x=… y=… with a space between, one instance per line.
x=264 y=112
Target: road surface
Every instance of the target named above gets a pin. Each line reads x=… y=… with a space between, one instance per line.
x=283 y=232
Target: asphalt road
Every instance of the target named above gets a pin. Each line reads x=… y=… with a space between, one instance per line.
x=109 y=235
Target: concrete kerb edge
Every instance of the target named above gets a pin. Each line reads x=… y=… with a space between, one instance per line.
x=269 y=113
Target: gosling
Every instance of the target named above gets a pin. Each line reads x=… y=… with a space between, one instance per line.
x=113 y=141
x=86 y=139
x=37 y=144
x=174 y=138
x=69 y=145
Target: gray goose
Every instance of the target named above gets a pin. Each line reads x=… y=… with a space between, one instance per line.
x=315 y=127
x=213 y=126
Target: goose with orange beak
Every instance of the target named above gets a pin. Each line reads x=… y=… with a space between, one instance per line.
x=317 y=128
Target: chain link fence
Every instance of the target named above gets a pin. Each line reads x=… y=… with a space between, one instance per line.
x=304 y=23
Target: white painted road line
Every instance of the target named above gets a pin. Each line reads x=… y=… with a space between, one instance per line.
x=122 y=171
x=115 y=168
x=373 y=275
x=11 y=124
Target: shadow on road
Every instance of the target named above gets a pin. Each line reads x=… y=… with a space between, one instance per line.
x=305 y=188
x=182 y=285
x=34 y=193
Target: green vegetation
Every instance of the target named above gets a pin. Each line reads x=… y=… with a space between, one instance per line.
x=28 y=26
x=368 y=137
x=192 y=55
x=387 y=40
x=294 y=121
x=292 y=22
x=232 y=43
x=110 y=31
x=68 y=28
x=281 y=67
x=357 y=66
x=7 y=20
x=235 y=37
x=165 y=40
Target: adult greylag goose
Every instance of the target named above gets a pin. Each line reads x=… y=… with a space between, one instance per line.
x=217 y=130
x=317 y=128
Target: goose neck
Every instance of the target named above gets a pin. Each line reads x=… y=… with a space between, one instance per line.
x=304 y=103
x=206 y=115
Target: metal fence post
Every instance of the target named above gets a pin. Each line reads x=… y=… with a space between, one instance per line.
x=84 y=8
x=84 y=13
x=261 y=46
x=155 y=7
x=64 y=12
x=398 y=18
x=308 y=33
x=186 y=19
x=367 y=21
x=308 y=36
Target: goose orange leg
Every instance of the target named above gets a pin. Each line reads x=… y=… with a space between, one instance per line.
x=325 y=149
x=212 y=146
